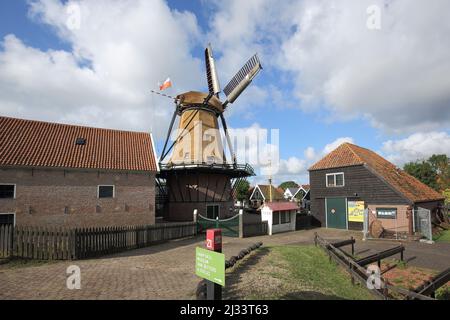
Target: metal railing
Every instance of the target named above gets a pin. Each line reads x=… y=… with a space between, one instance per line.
x=245 y=168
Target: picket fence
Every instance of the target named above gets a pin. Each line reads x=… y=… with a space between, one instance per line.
x=72 y=244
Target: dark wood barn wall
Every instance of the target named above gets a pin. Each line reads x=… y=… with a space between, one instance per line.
x=358 y=180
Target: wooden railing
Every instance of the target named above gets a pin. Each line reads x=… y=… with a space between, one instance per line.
x=71 y=244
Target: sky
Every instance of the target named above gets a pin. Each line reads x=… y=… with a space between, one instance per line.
x=374 y=73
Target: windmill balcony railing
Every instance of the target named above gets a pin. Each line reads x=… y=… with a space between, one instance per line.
x=248 y=169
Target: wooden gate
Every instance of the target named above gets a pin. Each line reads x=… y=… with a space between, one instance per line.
x=230 y=227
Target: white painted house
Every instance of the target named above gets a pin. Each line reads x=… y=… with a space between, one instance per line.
x=280 y=216
x=290 y=193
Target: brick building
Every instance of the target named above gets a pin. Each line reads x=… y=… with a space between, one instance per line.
x=351 y=179
x=63 y=175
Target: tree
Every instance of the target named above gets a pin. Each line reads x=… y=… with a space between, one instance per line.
x=434 y=172
x=423 y=171
x=288 y=184
x=446 y=194
x=440 y=164
x=242 y=190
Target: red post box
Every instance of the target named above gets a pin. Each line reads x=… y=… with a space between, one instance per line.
x=214 y=240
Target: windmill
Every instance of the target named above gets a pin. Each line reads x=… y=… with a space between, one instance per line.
x=198 y=174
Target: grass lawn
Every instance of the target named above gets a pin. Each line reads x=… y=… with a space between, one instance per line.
x=443 y=237
x=293 y=273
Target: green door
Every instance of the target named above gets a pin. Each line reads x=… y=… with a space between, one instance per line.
x=336 y=209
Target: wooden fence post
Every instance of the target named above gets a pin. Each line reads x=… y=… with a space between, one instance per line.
x=241 y=223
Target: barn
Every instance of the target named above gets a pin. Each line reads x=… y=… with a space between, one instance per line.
x=57 y=175
x=351 y=179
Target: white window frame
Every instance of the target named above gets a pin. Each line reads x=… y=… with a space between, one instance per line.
x=387 y=217
x=106 y=185
x=9 y=213
x=335 y=174
x=213 y=205
x=10 y=184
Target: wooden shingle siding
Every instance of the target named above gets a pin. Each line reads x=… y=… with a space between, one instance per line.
x=358 y=180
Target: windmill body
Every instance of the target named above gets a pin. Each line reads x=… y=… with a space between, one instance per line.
x=199 y=175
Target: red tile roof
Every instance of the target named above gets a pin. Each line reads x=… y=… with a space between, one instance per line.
x=351 y=155
x=42 y=144
x=282 y=206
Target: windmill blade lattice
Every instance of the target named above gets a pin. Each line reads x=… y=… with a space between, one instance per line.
x=242 y=79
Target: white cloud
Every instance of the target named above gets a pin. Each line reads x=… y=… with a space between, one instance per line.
x=419 y=146
x=118 y=54
x=296 y=168
x=396 y=77
x=331 y=146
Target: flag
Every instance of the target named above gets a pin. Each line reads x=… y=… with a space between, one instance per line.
x=167 y=84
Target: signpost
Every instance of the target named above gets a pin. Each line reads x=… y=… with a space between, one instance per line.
x=210 y=264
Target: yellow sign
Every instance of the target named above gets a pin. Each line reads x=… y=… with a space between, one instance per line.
x=356 y=211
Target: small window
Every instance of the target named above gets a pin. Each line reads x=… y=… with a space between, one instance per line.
x=283 y=217
x=330 y=180
x=80 y=142
x=212 y=211
x=276 y=218
x=105 y=192
x=7 y=219
x=386 y=213
x=7 y=191
x=335 y=180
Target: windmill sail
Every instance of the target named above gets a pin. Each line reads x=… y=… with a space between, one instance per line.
x=242 y=79
x=211 y=73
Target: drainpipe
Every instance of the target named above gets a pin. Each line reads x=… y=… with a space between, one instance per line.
x=410 y=216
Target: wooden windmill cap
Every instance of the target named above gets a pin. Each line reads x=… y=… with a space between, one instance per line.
x=194 y=98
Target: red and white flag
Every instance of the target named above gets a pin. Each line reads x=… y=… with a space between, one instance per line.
x=167 y=84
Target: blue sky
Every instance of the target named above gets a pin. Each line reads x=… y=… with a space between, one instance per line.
x=316 y=88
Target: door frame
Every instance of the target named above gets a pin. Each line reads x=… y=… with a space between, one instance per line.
x=213 y=205
x=9 y=213
x=346 y=211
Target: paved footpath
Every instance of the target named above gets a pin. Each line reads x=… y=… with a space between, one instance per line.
x=163 y=271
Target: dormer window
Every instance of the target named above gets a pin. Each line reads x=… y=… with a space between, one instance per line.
x=335 y=180
x=80 y=142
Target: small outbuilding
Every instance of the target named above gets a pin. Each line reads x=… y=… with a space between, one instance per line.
x=280 y=216
x=352 y=180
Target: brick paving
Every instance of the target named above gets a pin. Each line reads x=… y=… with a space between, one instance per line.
x=163 y=271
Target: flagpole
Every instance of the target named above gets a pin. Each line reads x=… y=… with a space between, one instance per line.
x=152 y=115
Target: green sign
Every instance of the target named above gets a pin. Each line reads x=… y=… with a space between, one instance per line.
x=210 y=265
